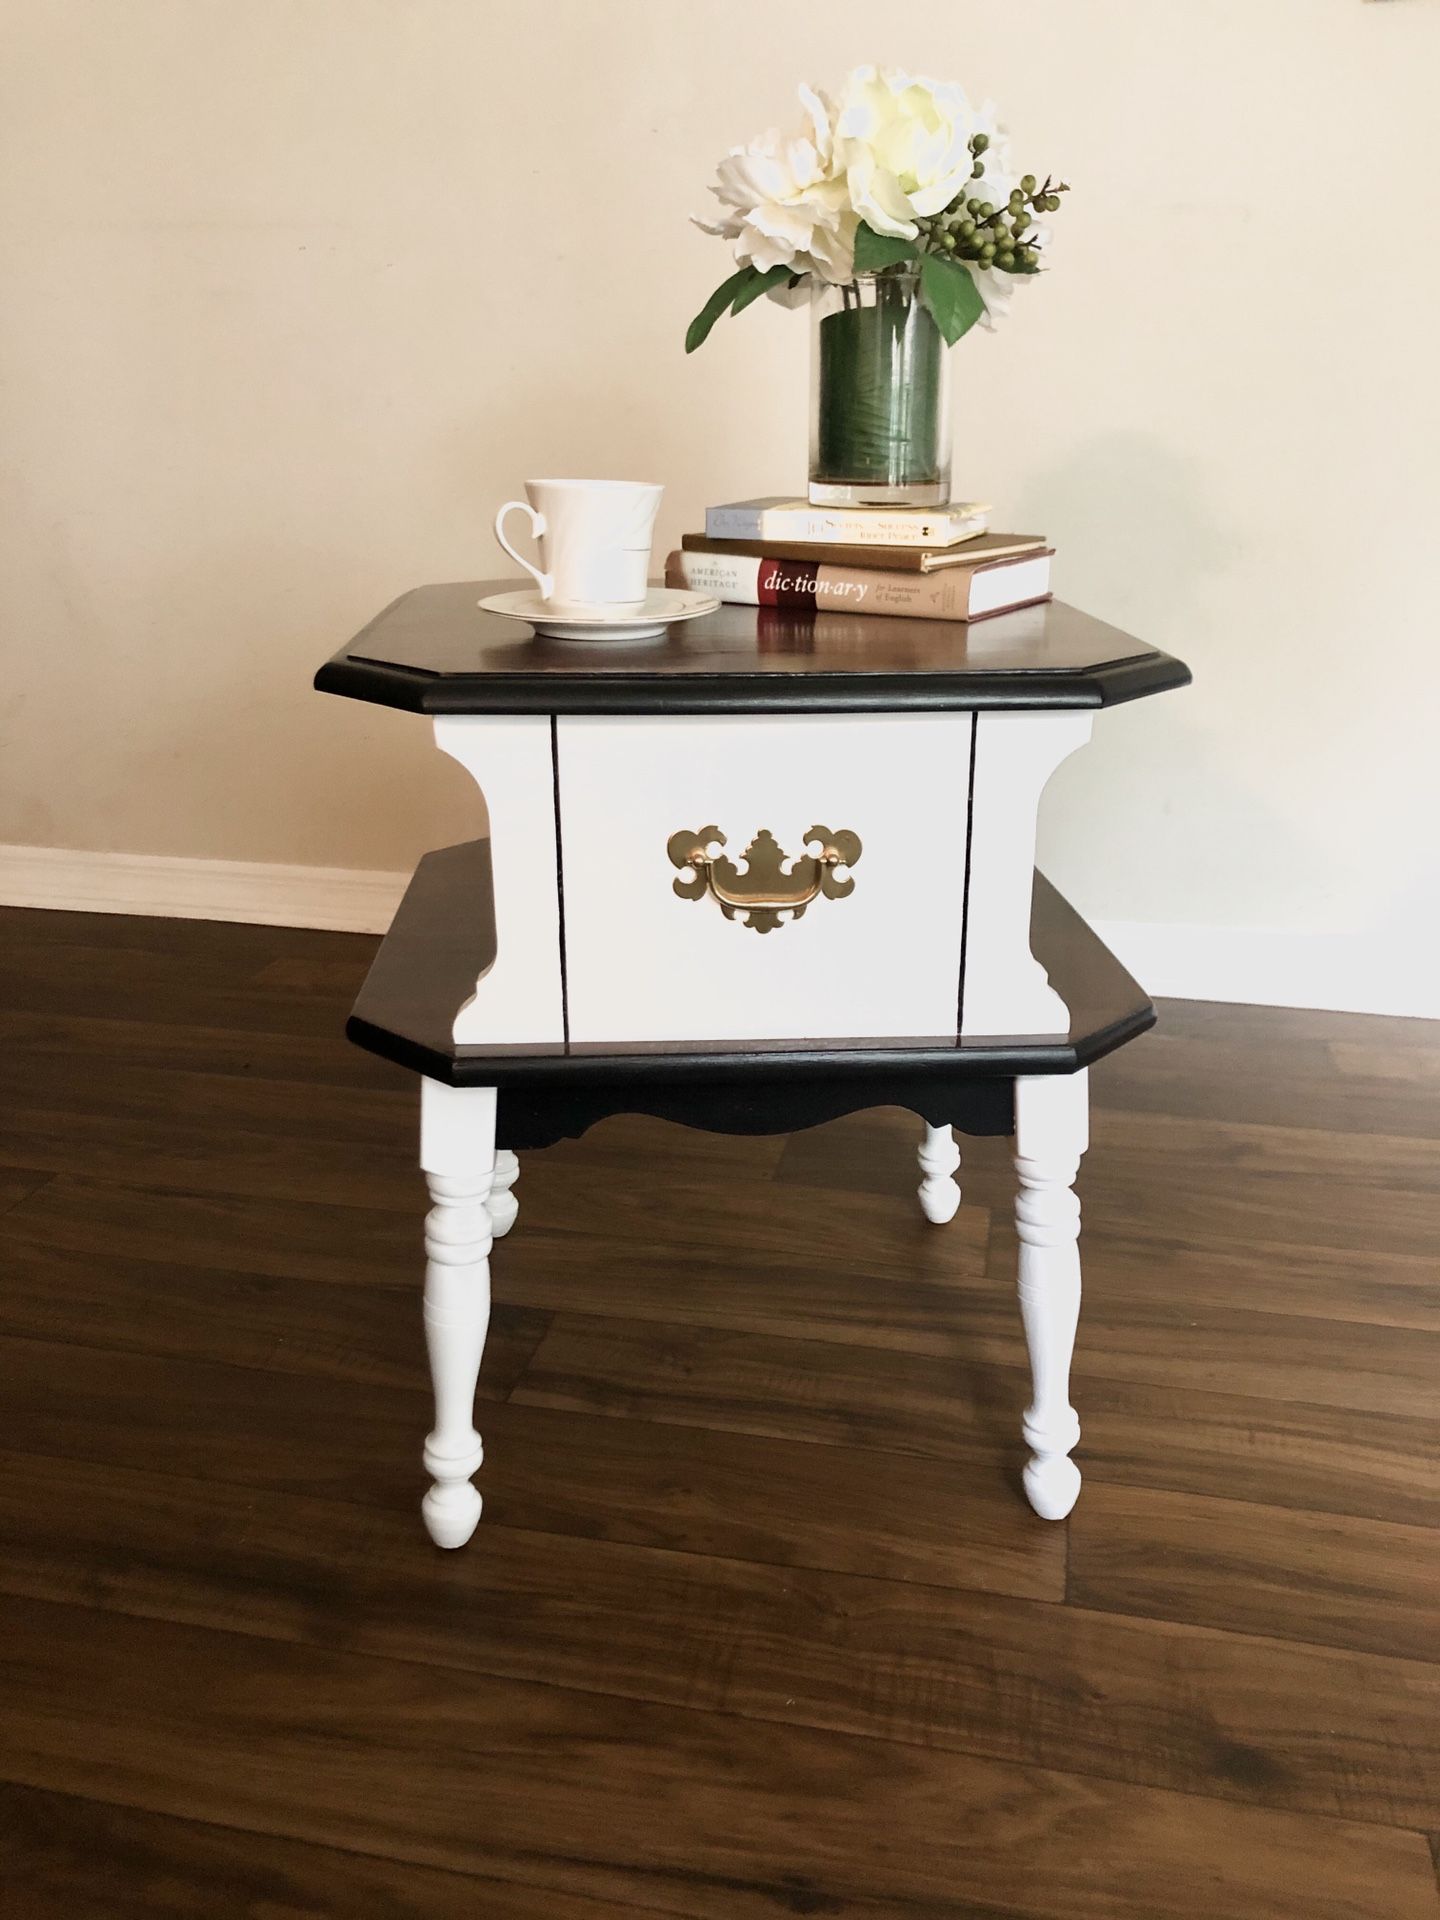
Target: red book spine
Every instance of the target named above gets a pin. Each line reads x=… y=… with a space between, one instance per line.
x=788 y=583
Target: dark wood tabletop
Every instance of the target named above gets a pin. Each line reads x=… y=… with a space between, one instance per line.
x=434 y=651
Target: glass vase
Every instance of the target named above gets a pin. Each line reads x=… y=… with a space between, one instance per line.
x=879 y=395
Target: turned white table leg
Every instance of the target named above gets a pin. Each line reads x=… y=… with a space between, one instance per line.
x=503 y=1204
x=1051 y=1133
x=457 y=1153
x=939 y=1157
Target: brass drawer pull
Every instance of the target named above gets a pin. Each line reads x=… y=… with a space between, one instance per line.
x=763 y=891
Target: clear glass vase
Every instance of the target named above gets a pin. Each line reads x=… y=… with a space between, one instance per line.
x=879 y=395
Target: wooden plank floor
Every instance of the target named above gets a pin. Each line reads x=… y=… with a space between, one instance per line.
x=756 y=1623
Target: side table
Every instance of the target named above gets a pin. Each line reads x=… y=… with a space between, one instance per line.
x=772 y=870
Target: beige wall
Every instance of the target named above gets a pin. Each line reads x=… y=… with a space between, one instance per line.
x=294 y=291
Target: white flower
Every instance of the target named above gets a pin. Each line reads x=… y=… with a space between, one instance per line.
x=997 y=289
x=904 y=145
x=893 y=151
x=785 y=203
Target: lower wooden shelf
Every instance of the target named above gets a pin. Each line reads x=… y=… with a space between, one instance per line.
x=443 y=937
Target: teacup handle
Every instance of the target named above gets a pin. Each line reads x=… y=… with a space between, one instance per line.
x=545 y=581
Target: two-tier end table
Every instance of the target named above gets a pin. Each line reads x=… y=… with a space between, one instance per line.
x=773 y=869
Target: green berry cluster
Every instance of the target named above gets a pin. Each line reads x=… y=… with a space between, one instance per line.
x=972 y=228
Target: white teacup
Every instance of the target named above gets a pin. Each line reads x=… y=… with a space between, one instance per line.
x=594 y=540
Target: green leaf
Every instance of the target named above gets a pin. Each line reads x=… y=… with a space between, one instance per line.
x=951 y=294
x=762 y=283
x=876 y=250
x=719 y=301
x=734 y=294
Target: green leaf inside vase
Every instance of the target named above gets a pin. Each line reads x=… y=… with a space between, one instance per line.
x=878 y=418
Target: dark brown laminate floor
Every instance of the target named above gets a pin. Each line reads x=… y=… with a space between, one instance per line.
x=756 y=1623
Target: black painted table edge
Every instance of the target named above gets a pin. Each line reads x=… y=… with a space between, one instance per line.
x=412 y=690
x=999 y=1059
x=973 y=1090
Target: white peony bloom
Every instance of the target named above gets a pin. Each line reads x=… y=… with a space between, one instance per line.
x=999 y=178
x=785 y=203
x=996 y=291
x=893 y=151
x=904 y=145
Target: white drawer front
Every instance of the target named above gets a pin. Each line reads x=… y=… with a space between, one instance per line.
x=645 y=964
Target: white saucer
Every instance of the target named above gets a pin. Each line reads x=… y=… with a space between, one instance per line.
x=662 y=606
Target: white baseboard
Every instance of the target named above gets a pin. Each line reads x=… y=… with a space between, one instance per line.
x=1261 y=965
x=340 y=899
x=1281 y=967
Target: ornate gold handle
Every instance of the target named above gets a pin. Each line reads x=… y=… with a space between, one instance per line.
x=764 y=890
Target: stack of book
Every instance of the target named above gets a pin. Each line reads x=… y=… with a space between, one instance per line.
x=927 y=563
